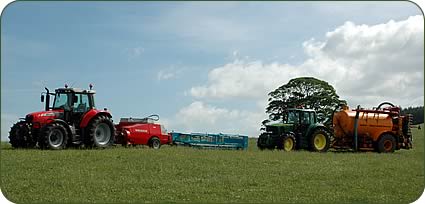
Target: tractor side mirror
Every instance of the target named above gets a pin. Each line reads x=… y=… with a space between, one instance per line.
x=42 y=98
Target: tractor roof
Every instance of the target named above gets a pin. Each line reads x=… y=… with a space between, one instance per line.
x=75 y=90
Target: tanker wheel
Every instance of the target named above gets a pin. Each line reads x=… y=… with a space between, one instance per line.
x=386 y=144
x=20 y=136
x=154 y=143
x=53 y=136
x=319 y=141
x=289 y=143
x=100 y=132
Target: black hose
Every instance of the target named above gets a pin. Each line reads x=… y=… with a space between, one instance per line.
x=385 y=103
x=333 y=112
x=356 y=125
x=154 y=117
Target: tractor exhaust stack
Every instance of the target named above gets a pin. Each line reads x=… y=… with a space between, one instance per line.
x=47 y=99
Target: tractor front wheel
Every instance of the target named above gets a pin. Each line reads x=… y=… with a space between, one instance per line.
x=154 y=143
x=20 y=136
x=100 y=132
x=53 y=136
x=386 y=144
x=289 y=143
x=319 y=141
x=261 y=144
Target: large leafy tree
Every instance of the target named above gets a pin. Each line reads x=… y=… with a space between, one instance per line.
x=306 y=92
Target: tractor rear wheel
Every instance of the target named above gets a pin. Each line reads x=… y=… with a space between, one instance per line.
x=386 y=144
x=20 y=136
x=100 y=132
x=154 y=143
x=288 y=143
x=319 y=140
x=53 y=136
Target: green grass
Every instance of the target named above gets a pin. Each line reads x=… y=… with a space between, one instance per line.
x=177 y=174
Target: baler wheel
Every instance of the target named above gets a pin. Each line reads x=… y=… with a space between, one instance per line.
x=154 y=143
x=100 y=132
x=289 y=143
x=386 y=144
x=320 y=140
x=19 y=136
x=53 y=136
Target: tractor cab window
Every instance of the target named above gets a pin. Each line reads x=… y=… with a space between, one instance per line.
x=312 y=117
x=81 y=103
x=292 y=117
x=305 y=117
x=61 y=101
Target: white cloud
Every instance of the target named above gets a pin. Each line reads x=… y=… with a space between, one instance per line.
x=169 y=73
x=164 y=75
x=244 y=79
x=201 y=117
x=134 y=52
x=366 y=64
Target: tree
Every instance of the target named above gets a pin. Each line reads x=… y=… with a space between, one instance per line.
x=417 y=112
x=307 y=92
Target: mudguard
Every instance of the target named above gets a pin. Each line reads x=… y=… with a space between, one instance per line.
x=91 y=114
x=313 y=127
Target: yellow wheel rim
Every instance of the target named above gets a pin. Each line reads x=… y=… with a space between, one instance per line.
x=288 y=144
x=319 y=141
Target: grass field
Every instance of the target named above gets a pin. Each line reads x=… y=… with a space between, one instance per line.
x=177 y=174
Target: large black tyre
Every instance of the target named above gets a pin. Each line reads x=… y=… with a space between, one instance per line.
x=99 y=132
x=154 y=143
x=260 y=141
x=20 y=136
x=386 y=144
x=319 y=140
x=53 y=136
x=259 y=145
x=288 y=143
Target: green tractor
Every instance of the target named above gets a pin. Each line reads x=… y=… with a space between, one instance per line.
x=299 y=129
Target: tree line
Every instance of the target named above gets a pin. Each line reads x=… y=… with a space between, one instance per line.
x=417 y=112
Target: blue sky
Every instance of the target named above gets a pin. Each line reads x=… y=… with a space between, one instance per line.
x=171 y=58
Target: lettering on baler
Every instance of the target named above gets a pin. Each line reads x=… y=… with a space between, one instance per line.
x=140 y=130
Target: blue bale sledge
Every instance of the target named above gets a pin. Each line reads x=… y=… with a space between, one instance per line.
x=215 y=141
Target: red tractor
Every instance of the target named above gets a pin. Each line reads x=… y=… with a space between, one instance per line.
x=72 y=120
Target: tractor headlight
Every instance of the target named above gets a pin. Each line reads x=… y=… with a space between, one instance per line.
x=127 y=133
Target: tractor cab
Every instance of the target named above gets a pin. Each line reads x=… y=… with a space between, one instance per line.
x=295 y=131
x=294 y=120
x=73 y=102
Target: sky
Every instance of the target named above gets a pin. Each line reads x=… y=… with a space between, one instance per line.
x=208 y=66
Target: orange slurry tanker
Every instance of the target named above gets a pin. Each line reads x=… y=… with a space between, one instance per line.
x=382 y=129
